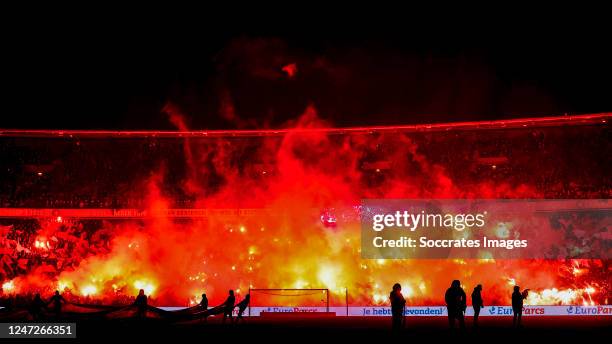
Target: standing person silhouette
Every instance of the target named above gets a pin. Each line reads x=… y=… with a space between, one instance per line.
x=204 y=306
x=455 y=304
x=398 y=304
x=477 y=303
x=56 y=301
x=242 y=305
x=228 y=306
x=36 y=307
x=141 y=304
x=517 y=305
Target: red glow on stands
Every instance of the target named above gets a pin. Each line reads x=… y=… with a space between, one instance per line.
x=281 y=210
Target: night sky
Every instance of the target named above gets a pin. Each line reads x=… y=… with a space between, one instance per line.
x=102 y=74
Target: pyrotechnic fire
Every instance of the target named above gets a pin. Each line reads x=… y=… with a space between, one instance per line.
x=89 y=290
x=8 y=287
x=63 y=285
x=288 y=243
x=42 y=243
x=560 y=297
x=552 y=297
x=146 y=286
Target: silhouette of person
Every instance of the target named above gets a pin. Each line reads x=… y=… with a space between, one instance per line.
x=228 y=306
x=477 y=303
x=242 y=306
x=455 y=304
x=398 y=303
x=36 y=307
x=141 y=304
x=56 y=301
x=517 y=305
x=204 y=306
x=204 y=302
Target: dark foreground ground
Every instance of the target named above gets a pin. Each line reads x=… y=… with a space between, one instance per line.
x=547 y=330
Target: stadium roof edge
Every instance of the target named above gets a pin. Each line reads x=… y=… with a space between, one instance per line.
x=551 y=121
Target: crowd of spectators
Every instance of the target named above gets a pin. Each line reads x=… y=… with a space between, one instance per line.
x=557 y=162
x=48 y=246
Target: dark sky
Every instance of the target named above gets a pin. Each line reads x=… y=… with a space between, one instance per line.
x=102 y=75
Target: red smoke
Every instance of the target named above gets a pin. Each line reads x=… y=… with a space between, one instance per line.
x=293 y=179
